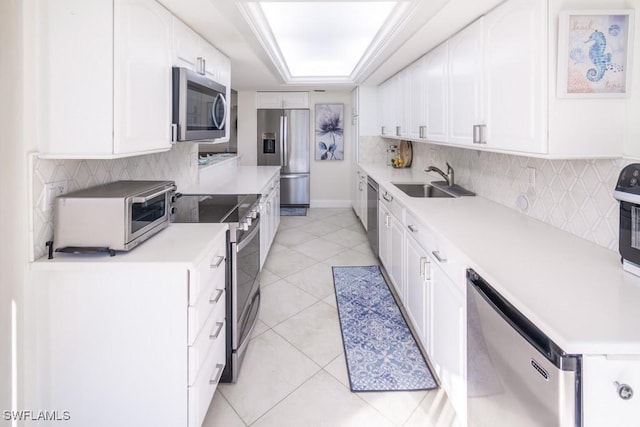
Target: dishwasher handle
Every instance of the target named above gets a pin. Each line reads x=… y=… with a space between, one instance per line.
x=522 y=325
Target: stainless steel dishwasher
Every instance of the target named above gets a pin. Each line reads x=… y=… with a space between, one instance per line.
x=516 y=376
x=372 y=214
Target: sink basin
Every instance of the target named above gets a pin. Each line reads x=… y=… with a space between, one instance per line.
x=422 y=190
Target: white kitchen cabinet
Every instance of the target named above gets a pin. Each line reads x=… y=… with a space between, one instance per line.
x=360 y=200
x=465 y=83
x=133 y=343
x=277 y=100
x=604 y=391
x=515 y=82
x=269 y=217
x=415 y=98
x=388 y=106
x=117 y=103
x=391 y=239
x=418 y=290
x=436 y=86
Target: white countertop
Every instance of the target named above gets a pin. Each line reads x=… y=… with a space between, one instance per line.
x=233 y=180
x=175 y=246
x=572 y=289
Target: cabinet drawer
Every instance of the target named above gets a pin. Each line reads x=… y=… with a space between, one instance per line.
x=210 y=334
x=388 y=200
x=448 y=257
x=197 y=315
x=201 y=392
x=211 y=268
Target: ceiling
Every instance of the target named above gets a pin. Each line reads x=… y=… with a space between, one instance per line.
x=221 y=22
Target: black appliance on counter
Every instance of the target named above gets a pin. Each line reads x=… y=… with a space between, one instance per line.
x=241 y=213
x=628 y=193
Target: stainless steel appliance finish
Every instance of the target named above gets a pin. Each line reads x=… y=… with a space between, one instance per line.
x=372 y=215
x=116 y=216
x=516 y=376
x=627 y=191
x=199 y=107
x=241 y=213
x=283 y=140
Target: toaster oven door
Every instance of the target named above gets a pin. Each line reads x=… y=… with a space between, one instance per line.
x=146 y=213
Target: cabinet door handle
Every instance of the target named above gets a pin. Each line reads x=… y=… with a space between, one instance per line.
x=398 y=130
x=439 y=257
x=382 y=130
x=412 y=228
x=217 y=262
x=214 y=300
x=479 y=134
x=215 y=379
x=387 y=220
x=422 y=130
x=213 y=335
x=422 y=266
x=384 y=196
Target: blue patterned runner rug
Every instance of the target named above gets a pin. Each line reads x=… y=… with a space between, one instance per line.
x=381 y=352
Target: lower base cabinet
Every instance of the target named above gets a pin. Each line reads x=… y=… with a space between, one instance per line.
x=130 y=344
x=269 y=217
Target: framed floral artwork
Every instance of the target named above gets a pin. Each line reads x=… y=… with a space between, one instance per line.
x=594 y=50
x=329 y=131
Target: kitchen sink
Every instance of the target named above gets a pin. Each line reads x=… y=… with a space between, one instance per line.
x=422 y=190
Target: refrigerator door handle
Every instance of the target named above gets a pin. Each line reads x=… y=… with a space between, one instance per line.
x=285 y=140
x=281 y=135
x=295 y=176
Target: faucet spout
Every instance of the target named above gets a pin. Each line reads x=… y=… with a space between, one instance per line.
x=448 y=177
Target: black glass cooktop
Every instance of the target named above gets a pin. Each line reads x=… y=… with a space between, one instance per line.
x=214 y=208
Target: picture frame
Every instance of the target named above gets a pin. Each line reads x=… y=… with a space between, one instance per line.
x=329 y=130
x=594 y=53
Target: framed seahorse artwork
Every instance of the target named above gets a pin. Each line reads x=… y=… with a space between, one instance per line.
x=594 y=53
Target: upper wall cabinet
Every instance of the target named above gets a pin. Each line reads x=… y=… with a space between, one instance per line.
x=277 y=100
x=497 y=91
x=193 y=52
x=116 y=101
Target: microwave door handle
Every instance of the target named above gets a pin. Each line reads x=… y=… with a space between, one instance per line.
x=151 y=196
x=219 y=98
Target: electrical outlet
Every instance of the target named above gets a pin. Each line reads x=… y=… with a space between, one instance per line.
x=51 y=191
x=531 y=177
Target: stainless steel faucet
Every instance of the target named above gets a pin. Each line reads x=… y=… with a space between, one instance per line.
x=447 y=176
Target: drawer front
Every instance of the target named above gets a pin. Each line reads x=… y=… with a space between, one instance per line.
x=211 y=268
x=389 y=200
x=201 y=392
x=211 y=332
x=212 y=298
x=446 y=255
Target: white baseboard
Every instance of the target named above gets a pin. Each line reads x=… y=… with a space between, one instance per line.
x=330 y=203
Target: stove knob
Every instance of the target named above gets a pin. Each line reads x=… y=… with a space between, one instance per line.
x=173 y=211
x=253 y=214
x=244 y=226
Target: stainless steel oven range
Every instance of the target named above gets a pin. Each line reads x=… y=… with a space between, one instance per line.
x=241 y=213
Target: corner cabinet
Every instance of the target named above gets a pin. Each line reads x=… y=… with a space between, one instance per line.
x=117 y=101
x=133 y=343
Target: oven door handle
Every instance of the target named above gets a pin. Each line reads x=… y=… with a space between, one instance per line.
x=151 y=196
x=247 y=239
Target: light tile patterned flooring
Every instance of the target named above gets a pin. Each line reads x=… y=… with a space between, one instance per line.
x=294 y=373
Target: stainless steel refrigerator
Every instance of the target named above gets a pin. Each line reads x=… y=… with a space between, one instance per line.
x=283 y=140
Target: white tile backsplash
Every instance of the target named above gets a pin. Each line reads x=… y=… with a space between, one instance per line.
x=572 y=195
x=170 y=165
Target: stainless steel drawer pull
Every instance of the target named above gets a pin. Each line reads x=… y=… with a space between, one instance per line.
x=412 y=228
x=390 y=199
x=438 y=256
x=216 y=379
x=217 y=262
x=214 y=300
x=213 y=335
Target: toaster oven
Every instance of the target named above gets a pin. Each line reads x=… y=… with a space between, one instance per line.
x=112 y=217
x=627 y=192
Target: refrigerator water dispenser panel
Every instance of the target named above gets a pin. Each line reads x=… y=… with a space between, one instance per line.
x=269 y=143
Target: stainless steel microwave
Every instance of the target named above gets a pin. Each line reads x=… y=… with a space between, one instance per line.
x=117 y=216
x=199 y=107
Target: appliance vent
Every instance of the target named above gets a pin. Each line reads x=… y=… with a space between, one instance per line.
x=540 y=370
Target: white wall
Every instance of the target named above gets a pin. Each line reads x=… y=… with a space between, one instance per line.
x=329 y=179
x=13 y=193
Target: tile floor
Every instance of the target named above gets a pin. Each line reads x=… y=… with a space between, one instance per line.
x=294 y=373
